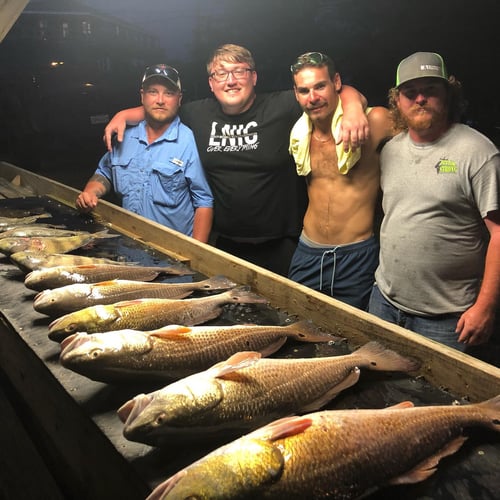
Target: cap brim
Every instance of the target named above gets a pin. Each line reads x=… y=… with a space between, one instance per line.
x=161 y=79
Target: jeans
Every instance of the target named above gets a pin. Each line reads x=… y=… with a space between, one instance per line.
x=439 y=328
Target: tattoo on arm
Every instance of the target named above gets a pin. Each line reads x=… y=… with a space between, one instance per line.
x=101 y=180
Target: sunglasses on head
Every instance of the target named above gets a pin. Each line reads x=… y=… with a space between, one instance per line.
x=161 y=70
x=307 y=59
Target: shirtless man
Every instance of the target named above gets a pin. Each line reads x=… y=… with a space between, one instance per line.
x=338 y=250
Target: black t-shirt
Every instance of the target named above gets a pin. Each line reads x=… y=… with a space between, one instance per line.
x=258 y=194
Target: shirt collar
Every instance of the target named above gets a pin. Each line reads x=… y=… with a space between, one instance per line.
x=170 y=135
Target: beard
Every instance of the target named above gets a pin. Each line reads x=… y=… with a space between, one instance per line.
x=420 y=118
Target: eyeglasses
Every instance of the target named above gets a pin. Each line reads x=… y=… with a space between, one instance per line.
x=307 y=59
x=222 y=75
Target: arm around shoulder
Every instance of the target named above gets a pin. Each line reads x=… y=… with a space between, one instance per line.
x=117 y=124
x=354 y=129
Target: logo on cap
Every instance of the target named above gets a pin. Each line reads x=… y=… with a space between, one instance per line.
x=419 y=65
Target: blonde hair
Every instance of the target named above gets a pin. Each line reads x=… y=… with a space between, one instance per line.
x=230 y=53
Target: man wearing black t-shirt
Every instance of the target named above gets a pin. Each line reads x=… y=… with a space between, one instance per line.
x=242 y=138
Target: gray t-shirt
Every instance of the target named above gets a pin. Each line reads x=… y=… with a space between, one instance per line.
x=433 y=239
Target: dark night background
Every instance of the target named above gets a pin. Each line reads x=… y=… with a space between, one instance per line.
x=366 y=38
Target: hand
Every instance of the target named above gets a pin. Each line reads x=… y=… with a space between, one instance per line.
x=354 y=129
x=116 y=127
x=475 y=326
x=85 y=202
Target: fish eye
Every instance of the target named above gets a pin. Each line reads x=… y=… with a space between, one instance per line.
x=95 y=353
x=160 y=419
x=71 y=328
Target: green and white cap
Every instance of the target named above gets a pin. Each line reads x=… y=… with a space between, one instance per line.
x=421 y=65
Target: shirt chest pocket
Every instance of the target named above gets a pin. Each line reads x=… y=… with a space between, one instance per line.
x=168 y=184
x=124 y=176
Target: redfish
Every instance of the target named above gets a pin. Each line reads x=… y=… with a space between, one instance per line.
x=331 y=454
x=77 y=296
x=36 y=230
x=54 y=277
x=149 y=314
x=245 y=392
x=174 y=351
x=55 y=244
x=10 y=222
x=31 y=260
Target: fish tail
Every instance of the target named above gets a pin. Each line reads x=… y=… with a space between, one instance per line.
x=218 y=283
x=104 y=234
x=307 y=331
x=243 y=295
x=378 y=357
x=176 y=269
x=491 y=411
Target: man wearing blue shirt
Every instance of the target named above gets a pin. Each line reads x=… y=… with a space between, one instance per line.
x=156 y=170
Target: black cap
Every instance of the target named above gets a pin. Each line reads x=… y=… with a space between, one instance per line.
x=163 y=71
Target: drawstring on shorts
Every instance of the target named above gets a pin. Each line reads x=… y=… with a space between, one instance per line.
x=332 y=251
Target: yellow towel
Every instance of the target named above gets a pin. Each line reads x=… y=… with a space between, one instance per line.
x=300 y=138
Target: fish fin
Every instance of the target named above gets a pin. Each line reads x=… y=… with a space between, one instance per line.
x=234 y=363
x=349 y=381
x=378 y=357
x=401 y=406
x=105 y=283
x=171 y=332
x=306 y=331
x=177 y=270
x=427 y=467
x=284 y=427
x=128 y=303
x=272 y=348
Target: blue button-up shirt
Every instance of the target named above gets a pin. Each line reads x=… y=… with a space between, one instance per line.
x=163 y=181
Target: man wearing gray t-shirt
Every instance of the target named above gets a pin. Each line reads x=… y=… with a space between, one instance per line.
x=439 y=271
